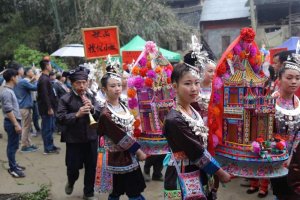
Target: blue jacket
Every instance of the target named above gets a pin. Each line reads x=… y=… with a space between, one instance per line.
x=23 y=93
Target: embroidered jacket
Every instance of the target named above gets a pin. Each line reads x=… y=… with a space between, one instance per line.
x=120 y=144
x=288 y=120
x=183 y=141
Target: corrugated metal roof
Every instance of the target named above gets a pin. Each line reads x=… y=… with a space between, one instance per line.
x=224 y=9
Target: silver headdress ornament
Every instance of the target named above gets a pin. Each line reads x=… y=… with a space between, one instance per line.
x=115 y=76
x=113 y=68
x=194 y=70
x=201 y=56
x=293 y=62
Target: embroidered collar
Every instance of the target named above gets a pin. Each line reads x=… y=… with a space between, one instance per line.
x=125 y=120
x=289 y=119
x=197 y=124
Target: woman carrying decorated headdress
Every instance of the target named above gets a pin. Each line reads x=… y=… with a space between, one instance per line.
x=187 y=135
x=116 y=125
x=287 y=120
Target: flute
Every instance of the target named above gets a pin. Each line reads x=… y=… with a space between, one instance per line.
x=93 y=123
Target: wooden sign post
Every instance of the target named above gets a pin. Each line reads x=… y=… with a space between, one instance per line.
x=99 y=42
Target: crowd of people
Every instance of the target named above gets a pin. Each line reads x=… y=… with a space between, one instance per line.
x=66 y=105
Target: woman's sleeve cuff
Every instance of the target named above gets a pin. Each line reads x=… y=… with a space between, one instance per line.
x=207 y=163
x=212 y=167
x=134 y=148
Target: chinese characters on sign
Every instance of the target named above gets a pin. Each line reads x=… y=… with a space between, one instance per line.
x=101 y=41
x=128 y=57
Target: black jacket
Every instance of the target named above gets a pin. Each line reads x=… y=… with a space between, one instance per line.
x=46 y=98
x=76 y=130
x=60 y=91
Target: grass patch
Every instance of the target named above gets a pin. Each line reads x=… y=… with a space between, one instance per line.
x=42 y=194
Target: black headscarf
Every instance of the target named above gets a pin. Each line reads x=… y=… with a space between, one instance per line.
x=80 y=73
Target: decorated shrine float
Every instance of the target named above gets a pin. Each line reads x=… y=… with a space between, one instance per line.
x=150 y=98
x=241 y=114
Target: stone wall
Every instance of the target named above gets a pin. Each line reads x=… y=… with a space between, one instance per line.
x=214 y=38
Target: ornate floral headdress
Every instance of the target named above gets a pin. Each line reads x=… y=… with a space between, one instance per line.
x=199 y=57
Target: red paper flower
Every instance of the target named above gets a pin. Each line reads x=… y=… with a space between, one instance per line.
x=131 y=92
x=243 y=55
x=221 y=69
x=137 y=123
x=143 y=71
x=148 y=82
x=260 y=140
x=252 y=61
x=169 y=80
x=169 y=67
x=137 y=132
x=279 y=146
x=278 y=137
x=261 y=74
x=247 y=34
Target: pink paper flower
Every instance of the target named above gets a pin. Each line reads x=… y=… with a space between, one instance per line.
x=138 y=82
x=218 y=83
x=215 y=140
x=151 y=47
x=169 y=73
x=237 y=49
x=256 y=147
x=143 y=61
x=130 y=82
x=253 y=51
x=226 y=75
x=151 y=74
x=132 y=103
x=217 y=97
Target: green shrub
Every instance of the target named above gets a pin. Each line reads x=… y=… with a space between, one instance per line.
x=27 y=57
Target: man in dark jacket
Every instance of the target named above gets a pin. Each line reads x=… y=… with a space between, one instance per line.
x=73 y=113
x=47 y=104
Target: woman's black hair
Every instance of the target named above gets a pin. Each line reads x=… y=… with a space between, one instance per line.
x=283 y=55
x=189 y=59
x=272 y=73
x=107 y=76
x=104 y=80
x=179 y=70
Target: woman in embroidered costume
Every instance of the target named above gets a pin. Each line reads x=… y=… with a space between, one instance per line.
x=186 y=133
x=209 y=68
x=287 y=120
x=115 y=124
